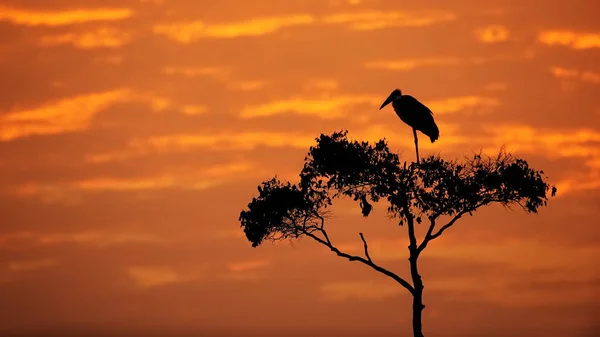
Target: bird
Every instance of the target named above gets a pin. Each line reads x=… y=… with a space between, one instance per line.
x=415 y=114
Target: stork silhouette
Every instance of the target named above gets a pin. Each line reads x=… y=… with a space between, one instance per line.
x=415 y=114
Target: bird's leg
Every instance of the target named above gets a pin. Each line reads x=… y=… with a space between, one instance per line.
x=416 y=143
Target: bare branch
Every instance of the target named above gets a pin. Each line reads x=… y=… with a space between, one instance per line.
x=369 y=263
x=456 y=217
x=366 y=247
x=427 y=237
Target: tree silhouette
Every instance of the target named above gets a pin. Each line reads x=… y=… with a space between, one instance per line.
x=415 y=193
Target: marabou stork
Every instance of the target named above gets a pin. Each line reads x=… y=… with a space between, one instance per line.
x=415 y=114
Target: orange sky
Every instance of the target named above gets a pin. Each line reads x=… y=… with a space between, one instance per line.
x=132 y=133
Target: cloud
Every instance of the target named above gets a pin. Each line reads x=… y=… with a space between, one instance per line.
x=149 y=277
x=574 y=40
x=221 y=74
x=410 y=64
x=492 y=34
x=65 y=115
x=326 y=108
x=24 y=266
x=245 y=266
x=223 y=140
x=194 y=71
x=95 y=238
x=62 y=18
x=186 y=32
x=574 y=74
x=580 y=182
x=457 y=104
x=552 y=143
x=337 y=107
x=99 y=38
x=371 y=20
x=69 y=114
x=361 y=291
x=194 y=110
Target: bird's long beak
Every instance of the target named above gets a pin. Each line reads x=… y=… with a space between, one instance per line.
x=387 y=101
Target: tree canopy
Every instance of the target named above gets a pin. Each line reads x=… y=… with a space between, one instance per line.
x=337 y=166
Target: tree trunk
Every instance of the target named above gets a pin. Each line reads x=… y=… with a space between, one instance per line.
x=417 y=312
x=417 y=297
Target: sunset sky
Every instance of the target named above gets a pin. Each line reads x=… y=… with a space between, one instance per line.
x=132 y=133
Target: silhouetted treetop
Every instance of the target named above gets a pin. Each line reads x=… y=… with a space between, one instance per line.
x=434 y=187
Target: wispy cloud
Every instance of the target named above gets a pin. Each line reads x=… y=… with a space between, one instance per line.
x=326 y=108
x=337 y=106
x=492 y=34
x=574 y=74
x=62 y=18
x=99 y=38
x=65 y=115
x=70 y=114
x=371 y=20
x=410 y=64
x=92 y=238
x=571 y=39
x=245 y=266
x=149 y=277
x=552 y=143
x=186 y=32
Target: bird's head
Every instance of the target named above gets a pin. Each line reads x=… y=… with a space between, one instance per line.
x=392 y=97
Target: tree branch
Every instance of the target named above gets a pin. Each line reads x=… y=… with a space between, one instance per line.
x=368 y=262
x=366 y=247
x=412 y=238
x=427 y=237
x=456 y=217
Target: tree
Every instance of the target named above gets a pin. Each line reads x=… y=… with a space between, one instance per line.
x=416 y=193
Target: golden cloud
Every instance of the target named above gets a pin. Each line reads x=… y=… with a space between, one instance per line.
x=580 y=182
x=220 y=73
x=558 y=143
x=191 y=71
x=372 y=20
x=462 y=103
x=410 y=64
x=186 y=32
x=148 y=277
x=329 y=108
x=70 y=114
x=570 y=39
x=492 y=34
x=336 y=107
x=574 y=74
x=65 y=115
x=61 y=18
x=224 y=140
x=194 y=110
x=197 y=179
x=244 y=266
x=100 y=38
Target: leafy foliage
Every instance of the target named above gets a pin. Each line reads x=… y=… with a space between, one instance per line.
x=337 y=167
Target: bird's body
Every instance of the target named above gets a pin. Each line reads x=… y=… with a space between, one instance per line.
x=414 y=113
